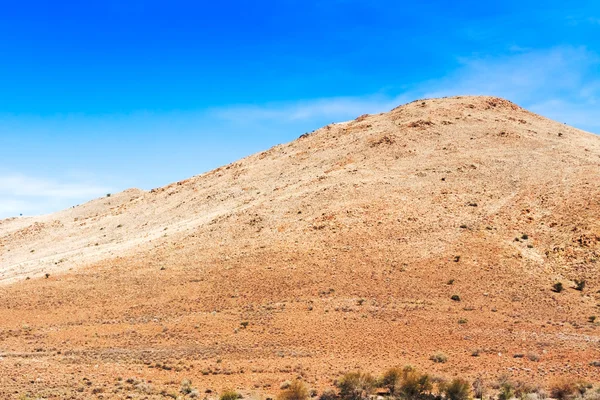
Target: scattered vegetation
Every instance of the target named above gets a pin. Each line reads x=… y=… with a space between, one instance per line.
x=557 y=287
x=356 y=386
x=414 y=385
x=296 y=391
x=186 y=386
x=439 y=358
x=457 y=389
x=579 y=284
x=562 y=389
x=229 y=395
x=455 y=297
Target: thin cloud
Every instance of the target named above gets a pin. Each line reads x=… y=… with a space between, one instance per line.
x=20 y=185
x=334 y=108
x=559 y=83
x=20 y=194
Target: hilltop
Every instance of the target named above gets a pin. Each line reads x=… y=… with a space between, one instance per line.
x=341 y=250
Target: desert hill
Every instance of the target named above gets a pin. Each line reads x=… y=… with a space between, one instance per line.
x=341 y=250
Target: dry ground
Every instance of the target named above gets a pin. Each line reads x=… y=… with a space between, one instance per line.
x=338 y=251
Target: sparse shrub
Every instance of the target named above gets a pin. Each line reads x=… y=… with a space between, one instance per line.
x=414 y=385
x=391 y=379
x=562 y=389
x=285 y=384
x=462 y=321
x=144 y=387
x=450 y=282
x=522 y=389
x=507 y=391
x=455 y=297
x=229 y=395
x=580 y=284
x=356 y=385
x=296 y=391
x=557 y=287
x=439 y=358
x=592 y=318
x=328 y=395
x=194 y=394
x=457 y=389
x=186 y=386
x=533 y=357
x=582 y=387
x=479 y=388
x=592 y=395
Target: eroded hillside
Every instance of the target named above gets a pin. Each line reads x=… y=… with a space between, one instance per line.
x=340 y=250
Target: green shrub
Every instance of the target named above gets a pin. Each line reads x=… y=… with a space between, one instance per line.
x=296 y=391
x=507 y=391
x=328 y=395
x=439 y=358
x=391 y=379
x=579 y=284
x=356 y=386
x=562 y=389
x=186 y=386
x=414 y=385
x=557 y=287
x=479 y=388
x=457 y=389
x=229 y=395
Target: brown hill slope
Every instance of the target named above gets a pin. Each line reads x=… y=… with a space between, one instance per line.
x=337 y=251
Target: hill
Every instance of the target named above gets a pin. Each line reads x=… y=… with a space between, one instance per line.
x=341 y=250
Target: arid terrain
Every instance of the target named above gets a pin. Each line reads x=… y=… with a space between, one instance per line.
x=441 y=226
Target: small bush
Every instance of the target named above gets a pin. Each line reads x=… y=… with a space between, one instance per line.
x=356 y=386
x=507 y=391
x=479 y=388
x=229 y=395
x=296 y=391
x=414 y=385
x=522 y=389
x=186 y=386
x=580 y=284
x=562 y=389
x=391 y=379
x=439 y=358
x=328 y=395
x=457 y=389
x=455 y=297
x=557 y=287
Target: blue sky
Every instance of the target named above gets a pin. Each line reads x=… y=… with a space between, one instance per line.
x=99 y=96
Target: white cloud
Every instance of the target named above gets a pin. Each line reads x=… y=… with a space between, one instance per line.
x=20 y=194
x=561 y=83
x=334 y=108
x=20 y=185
